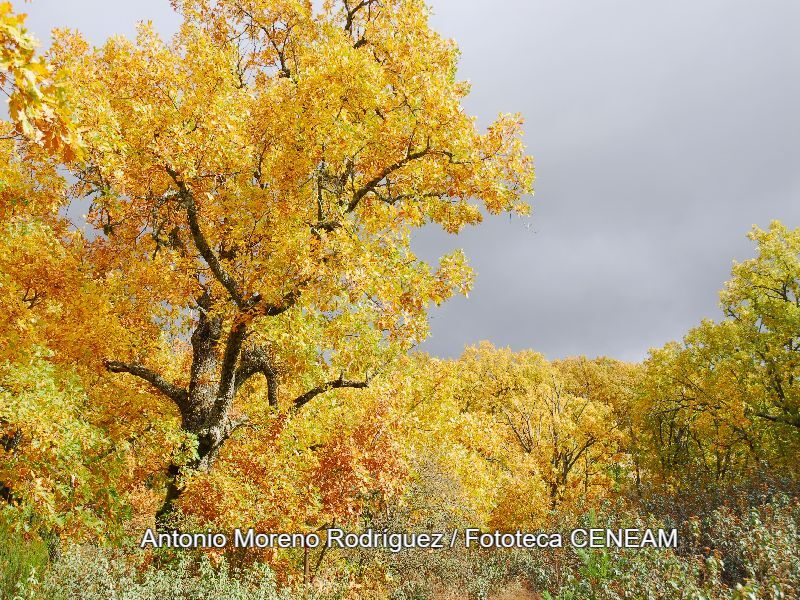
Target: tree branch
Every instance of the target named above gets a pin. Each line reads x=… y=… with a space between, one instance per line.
x=330 y=385
x=233 y=347
x=350 y=13
x=171 y=391
x=201 y=243
x=528 y=448
x=257 y=360
x=792 y=421
x=588 y=444
x=370 y=185
x=257 y=309
x=327 y=226
x=236 y=423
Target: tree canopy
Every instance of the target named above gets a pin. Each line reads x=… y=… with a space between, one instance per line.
x=253 y=185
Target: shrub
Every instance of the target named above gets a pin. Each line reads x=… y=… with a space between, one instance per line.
x=93 y=573
x=761 y=548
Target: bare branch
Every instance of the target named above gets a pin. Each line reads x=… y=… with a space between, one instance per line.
x=171 y=391
x=351 y=13
x=330 y=385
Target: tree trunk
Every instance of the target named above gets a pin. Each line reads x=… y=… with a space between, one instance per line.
x=204 y=414
x=211 y=430
x=217 y=374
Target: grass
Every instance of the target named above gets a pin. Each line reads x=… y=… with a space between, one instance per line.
x=19 y=557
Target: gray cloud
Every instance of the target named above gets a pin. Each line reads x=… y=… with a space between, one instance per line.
x=98 y=19
x=662 y=131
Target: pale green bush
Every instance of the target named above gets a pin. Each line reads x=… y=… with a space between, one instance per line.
x=760 y=549
x=92 y=573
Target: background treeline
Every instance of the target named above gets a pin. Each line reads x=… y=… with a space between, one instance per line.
x=703 y=436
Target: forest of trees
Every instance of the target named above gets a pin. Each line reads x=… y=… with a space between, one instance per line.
x=228 y=341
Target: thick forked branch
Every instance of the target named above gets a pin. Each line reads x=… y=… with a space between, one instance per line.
x=201 y=243
x=350 y=14
x=233 y=348
x=372 y=183
x=171 y=391
x=572 y=459
x=253 y=303
x=257 y=360
x=341 y=382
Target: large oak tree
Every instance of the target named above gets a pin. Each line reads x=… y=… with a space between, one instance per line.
x=254 y=183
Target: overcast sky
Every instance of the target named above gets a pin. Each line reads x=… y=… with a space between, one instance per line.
x=661 y=130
